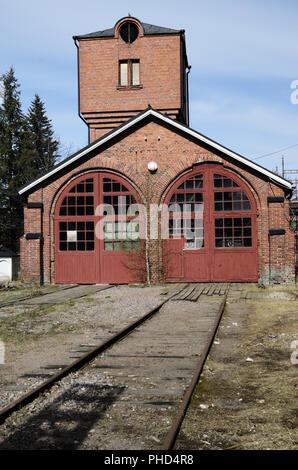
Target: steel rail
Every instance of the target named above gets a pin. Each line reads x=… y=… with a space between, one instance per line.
x=80 y=362
x=171 y=437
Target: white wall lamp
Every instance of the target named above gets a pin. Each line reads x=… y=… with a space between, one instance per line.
x=152 y=167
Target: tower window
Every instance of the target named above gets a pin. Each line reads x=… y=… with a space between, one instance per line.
x=129 y=72
x=129 y=32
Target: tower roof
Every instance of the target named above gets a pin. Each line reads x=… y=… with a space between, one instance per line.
x=149 y=29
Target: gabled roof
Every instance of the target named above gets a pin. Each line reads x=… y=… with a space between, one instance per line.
x=175 y=125
x=149 y=29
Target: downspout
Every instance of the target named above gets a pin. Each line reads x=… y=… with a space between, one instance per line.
x=78 y=77
x=187 y=94
x=184 y=77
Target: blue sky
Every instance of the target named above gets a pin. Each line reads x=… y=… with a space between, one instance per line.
x=243 y=53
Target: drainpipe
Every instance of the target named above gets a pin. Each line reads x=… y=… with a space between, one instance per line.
x=78 y=78
x=187 y=93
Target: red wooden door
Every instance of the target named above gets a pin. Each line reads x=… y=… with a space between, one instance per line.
x=96 y=239
x=215 y=213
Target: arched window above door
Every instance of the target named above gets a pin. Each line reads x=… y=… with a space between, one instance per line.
x=228 y=195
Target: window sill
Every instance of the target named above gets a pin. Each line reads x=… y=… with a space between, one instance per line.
x=129 y=87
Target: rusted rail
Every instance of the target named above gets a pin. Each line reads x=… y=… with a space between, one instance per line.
x=171 y=437
x=79 y=363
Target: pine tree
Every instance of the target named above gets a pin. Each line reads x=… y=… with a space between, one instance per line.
x=15 y=165
x=45 y=147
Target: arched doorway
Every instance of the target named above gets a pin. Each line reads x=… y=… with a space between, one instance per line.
x=97 y=233
x=212 y=228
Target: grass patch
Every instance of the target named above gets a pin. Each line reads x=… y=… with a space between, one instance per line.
x=19 y=327
x=251 y=405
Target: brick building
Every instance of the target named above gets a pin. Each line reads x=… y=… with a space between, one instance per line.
x=149 y=198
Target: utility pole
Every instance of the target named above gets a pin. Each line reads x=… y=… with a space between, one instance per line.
x=283 y=166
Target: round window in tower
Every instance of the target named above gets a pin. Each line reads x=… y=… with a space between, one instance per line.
x=129 y=32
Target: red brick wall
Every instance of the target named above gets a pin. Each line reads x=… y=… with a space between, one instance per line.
x=103 y=104
x=175 y=155
x=31 y=250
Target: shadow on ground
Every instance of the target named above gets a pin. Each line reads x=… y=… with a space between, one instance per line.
x=63 y=424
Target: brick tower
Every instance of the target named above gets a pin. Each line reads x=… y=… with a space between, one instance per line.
x=124 y=69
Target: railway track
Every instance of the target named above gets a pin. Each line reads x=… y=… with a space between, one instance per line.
x=151 y=373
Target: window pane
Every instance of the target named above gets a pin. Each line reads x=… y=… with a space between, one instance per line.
x=238 y=242
x=227 y=206
x=135 y=73
x=80 y=188
x=126 y=245
x=71 y=211
x=89 y=188
x=247 y=241
x=228 y=196
x=135 y=245
x=198 y=184
x=123 y=74
x=227 y=183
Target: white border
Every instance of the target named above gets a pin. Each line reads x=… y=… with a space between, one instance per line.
x=176 y=124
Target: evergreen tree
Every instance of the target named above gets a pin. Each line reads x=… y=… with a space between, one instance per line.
x=45 y=147
x=15 y=165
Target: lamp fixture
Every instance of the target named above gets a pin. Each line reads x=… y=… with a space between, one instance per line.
x=152 y=167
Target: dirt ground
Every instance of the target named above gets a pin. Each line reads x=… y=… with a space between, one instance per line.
x=38 y=336
x=247 y=396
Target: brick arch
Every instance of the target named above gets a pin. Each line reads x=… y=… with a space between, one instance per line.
x=127 y=19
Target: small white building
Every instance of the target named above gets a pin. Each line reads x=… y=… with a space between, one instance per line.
x=8 y=265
